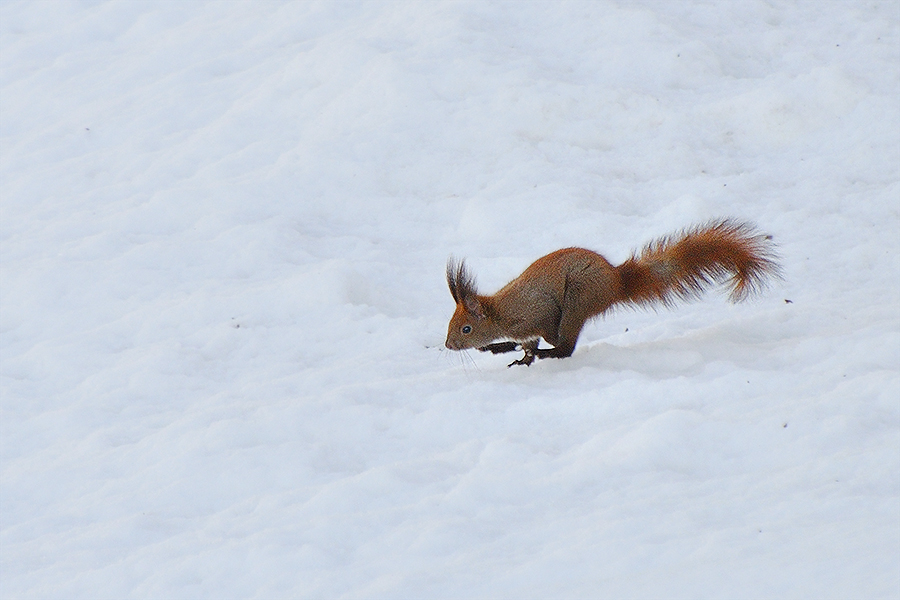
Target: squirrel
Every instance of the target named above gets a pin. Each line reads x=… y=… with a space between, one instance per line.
x=554 y=297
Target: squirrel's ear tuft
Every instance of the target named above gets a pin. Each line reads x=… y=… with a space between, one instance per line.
x=460 y=281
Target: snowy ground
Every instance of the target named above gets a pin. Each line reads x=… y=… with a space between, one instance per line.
x=224 y=230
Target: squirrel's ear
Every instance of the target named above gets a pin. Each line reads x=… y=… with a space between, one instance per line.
x=460 y=281
x=473 y=306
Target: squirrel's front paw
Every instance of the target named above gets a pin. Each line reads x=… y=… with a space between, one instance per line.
x=525 y=360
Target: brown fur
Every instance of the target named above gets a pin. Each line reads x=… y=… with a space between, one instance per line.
x=559 y=292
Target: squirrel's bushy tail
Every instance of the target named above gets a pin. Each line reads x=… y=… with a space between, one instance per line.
x=684 y=265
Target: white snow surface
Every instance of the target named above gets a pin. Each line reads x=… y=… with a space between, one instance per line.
x=224 y=232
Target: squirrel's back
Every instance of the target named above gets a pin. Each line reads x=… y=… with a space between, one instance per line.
x=573 y=272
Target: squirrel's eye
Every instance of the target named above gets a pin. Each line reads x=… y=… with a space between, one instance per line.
x=467 y=329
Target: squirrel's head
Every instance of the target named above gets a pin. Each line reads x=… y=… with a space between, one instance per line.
x=471 y=325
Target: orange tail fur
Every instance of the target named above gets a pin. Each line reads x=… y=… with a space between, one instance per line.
x=683 y=266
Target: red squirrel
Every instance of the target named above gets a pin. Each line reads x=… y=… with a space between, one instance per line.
x=558 y=293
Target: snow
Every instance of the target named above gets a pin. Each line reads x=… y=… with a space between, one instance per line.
x=223 y=235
